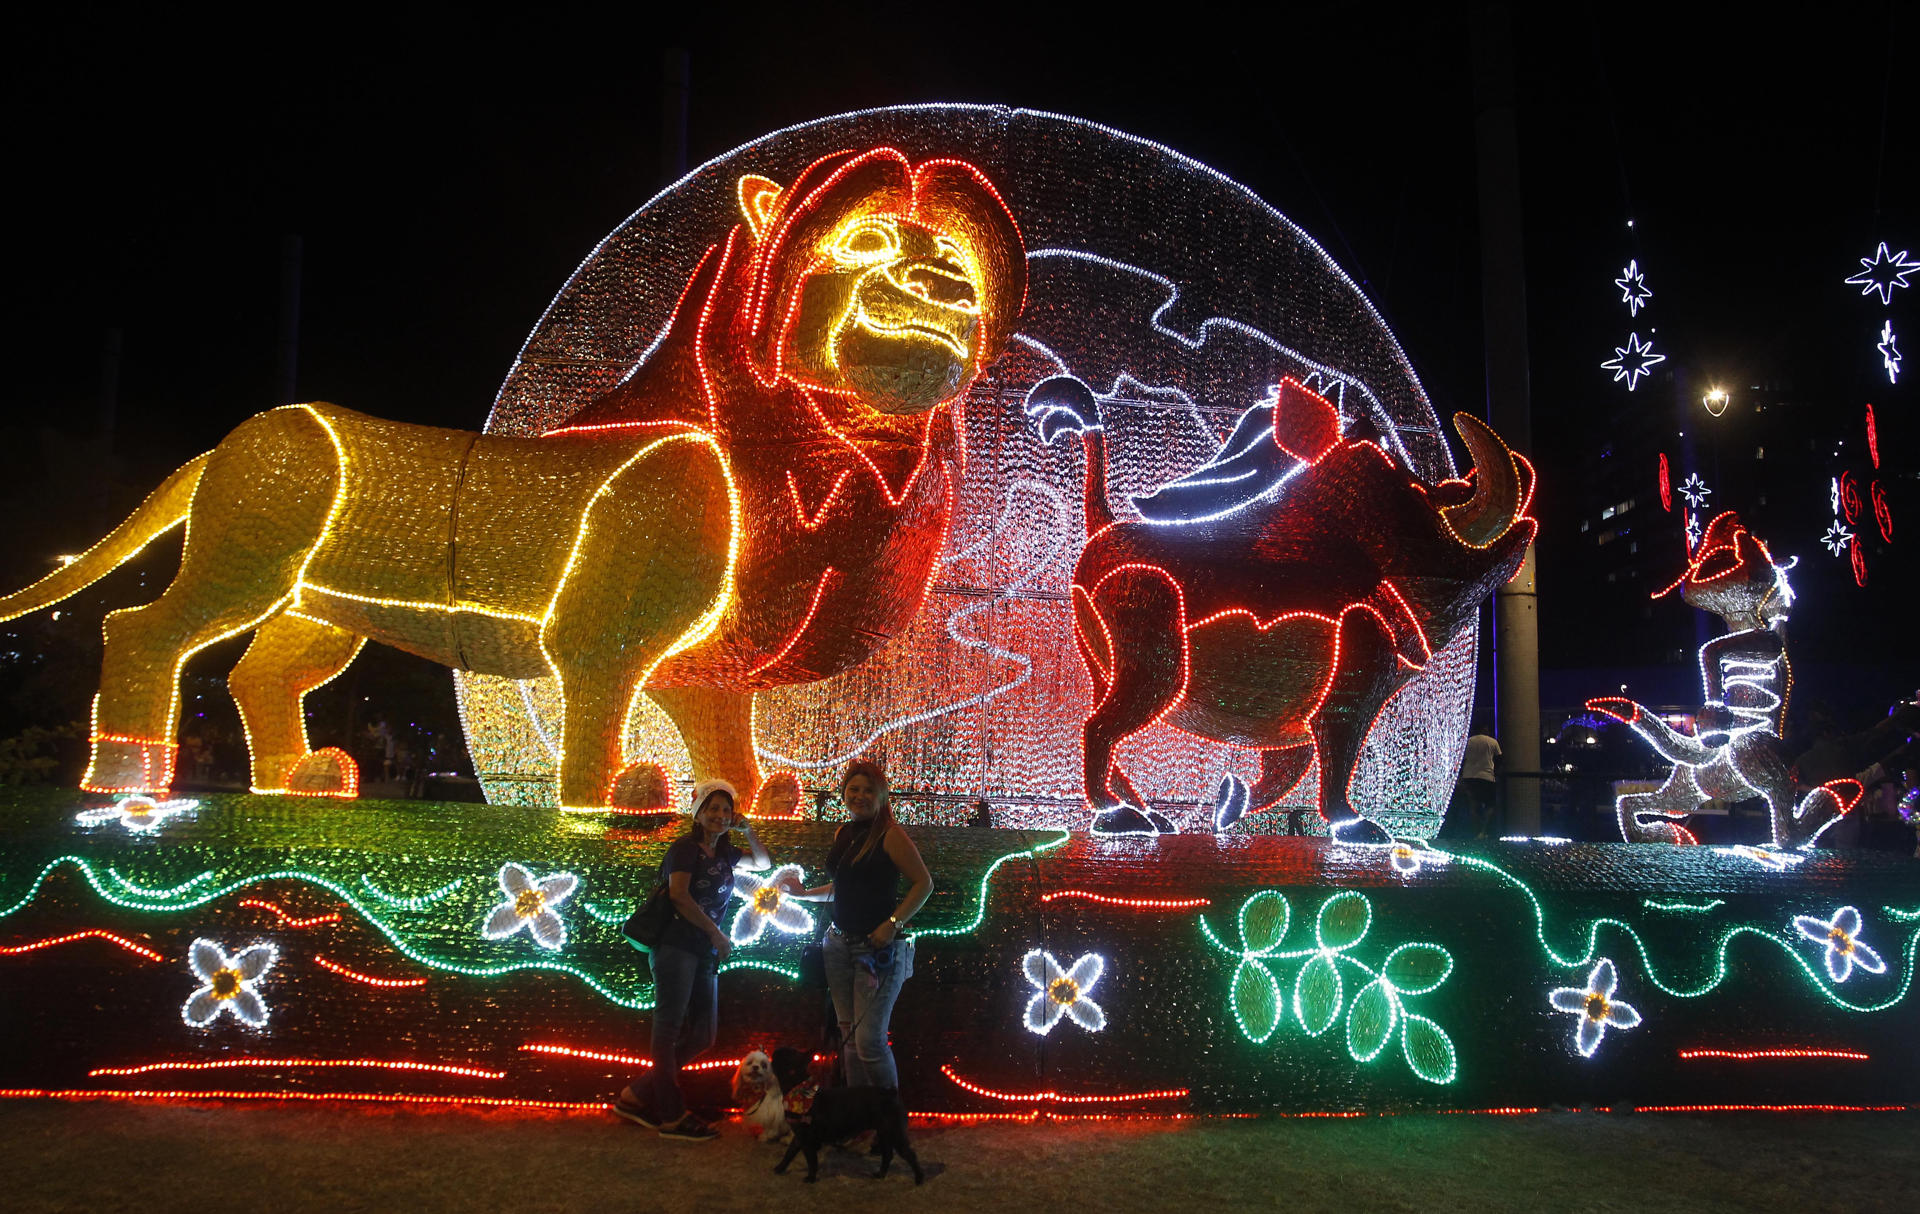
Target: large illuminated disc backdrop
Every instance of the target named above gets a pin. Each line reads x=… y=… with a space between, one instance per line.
x=1181 y=298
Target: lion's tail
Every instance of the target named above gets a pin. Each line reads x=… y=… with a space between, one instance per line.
x=164 y=509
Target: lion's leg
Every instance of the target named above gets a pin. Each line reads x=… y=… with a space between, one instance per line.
x=1143 y=611
x=1280 y=771
x=289 y=656
x=651 y=573
x=260 y=508
x=717 y=727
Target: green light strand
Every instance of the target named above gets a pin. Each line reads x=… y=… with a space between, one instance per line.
x=1786 y=945
x=980 y=910
x=1905 y=916
x=169 y=892
x=607 y=916
x=1683 y=907
x=420 y=902
x=636 y=1002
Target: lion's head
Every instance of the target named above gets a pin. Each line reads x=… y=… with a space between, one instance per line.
x=874 y=278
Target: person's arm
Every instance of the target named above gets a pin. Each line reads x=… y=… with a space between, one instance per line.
x=757 y=859
x=905 y=857
x=806 y=893
x=678 y=889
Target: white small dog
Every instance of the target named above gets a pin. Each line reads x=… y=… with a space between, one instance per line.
x=757 y=1092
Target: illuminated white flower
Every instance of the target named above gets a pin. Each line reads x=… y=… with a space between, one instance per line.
x=1595 y=1006
x=1063 y=992
x=530 y=905
x=137 y=813
x=765 y=903
x=229 y=983
x=1841 y=935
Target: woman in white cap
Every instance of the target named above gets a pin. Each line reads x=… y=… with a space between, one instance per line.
x=698 y=869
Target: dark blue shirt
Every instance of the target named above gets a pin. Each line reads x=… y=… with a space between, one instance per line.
x=710 y=882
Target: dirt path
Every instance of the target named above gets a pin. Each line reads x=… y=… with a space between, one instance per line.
x=157 y=1158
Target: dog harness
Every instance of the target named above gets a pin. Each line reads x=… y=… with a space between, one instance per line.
x=799 y=1101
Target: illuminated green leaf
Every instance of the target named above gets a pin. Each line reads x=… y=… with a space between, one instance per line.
x=1263 y=922
x=1370 y=1021
x=1317 y=994
x=1429 y=1050
x=1416 y=969
x=1344 y=919
x=1256 y=1000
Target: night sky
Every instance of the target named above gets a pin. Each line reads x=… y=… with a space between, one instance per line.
x=447 y=173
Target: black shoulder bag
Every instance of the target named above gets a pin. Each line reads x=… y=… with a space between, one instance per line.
x=647 y=924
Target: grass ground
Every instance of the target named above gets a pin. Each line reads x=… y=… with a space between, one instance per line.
x=159 y=1158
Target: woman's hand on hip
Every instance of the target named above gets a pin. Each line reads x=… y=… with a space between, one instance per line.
x=883 y=935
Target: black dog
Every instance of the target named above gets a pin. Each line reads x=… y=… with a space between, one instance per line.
x=840 y=1113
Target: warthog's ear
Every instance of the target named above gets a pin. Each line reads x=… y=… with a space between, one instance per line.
x=758 y=197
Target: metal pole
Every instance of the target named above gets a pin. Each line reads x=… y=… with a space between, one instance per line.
x=676 y=84
x=1503 y=305
x=287 y=347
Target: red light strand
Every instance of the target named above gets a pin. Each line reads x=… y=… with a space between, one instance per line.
x=1060 y=1097
x=1785 y=1052
x=567 y=1051
x=142 y=950
x=221 y=1064
x=365 y=979
x=1129 y=903
x=287 y=920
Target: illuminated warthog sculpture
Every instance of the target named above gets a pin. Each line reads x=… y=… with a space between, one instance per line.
x=1286 y=620
x=1735 y=751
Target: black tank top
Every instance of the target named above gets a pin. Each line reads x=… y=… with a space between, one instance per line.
x=864 y=893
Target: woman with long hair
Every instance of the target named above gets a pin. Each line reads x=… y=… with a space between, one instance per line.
x=867 y=958
x=698 y=869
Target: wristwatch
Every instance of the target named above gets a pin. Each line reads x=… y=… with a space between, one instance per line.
x=897 y=925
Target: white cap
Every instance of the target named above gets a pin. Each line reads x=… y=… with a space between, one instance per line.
x=706 y=788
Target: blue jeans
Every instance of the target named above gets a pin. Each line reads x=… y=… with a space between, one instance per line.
x=685 y=1019
x=863 y=1003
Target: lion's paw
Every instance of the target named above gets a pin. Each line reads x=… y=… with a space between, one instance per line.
x=778 y=797
x=327 y=772
x=641 y=786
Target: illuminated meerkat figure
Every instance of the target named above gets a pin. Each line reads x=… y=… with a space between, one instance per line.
x=1745 y=678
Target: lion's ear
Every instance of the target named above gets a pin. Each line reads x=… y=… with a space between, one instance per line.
x=758 y=197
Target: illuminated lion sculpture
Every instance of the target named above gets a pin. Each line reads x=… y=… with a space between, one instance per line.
x=1735 y=752
x=761 y=502
x=1283 y=615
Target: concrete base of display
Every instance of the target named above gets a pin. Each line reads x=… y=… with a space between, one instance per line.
x=1236 y=974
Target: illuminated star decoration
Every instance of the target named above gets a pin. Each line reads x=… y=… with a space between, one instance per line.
x=1889 y=353
x=1695 y=491
x=1837 y=538
x=1833 y=496
x=1633 y=288
x=1631 y=361
x=1693 y=531
x=1883 y=272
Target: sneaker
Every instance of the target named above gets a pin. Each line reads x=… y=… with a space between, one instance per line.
x=689 y=1129
x=637 y=1114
